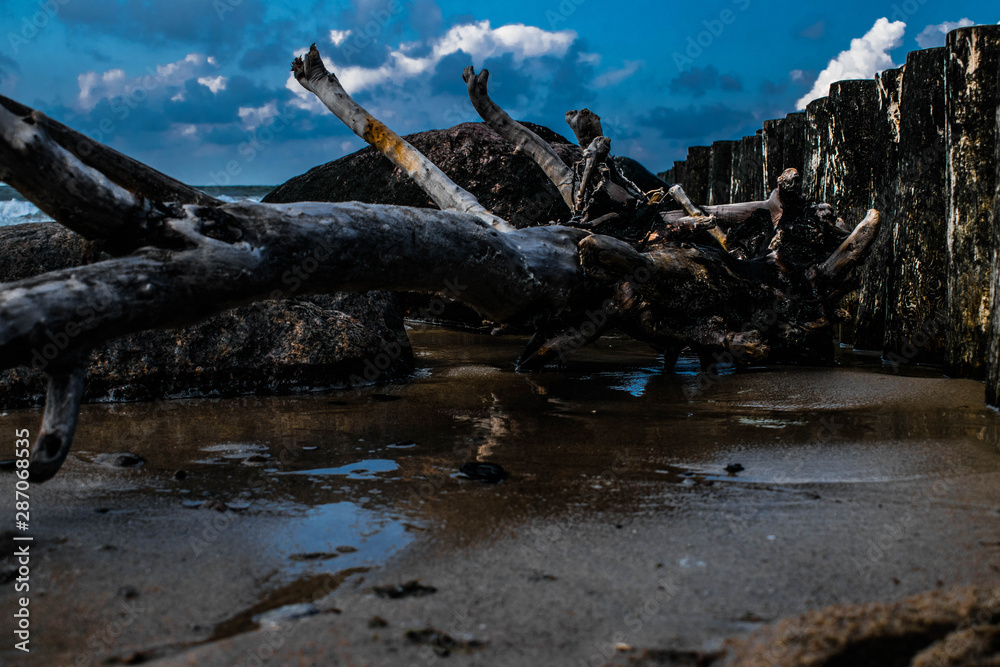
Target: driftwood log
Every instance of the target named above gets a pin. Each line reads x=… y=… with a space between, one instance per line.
x=624 y=261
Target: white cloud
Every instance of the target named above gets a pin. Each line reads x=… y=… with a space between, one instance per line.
x=479 y=40
x=797 y=75
x=589 y=59
x=867 y=55
x=214 y=83
x=253 y=117
x=933 y=35
x=338 y=37
x=115 y=82
x=616 y=76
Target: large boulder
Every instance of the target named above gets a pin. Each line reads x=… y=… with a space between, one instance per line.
x=281 y=346
x=510 y=185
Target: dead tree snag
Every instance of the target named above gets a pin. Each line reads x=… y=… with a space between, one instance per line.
x=622 y=263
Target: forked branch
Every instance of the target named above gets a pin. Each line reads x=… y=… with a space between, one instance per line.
x=524 y=140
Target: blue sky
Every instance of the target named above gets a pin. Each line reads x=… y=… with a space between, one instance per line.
x=200 y=88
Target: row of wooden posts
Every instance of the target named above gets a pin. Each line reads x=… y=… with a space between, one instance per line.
x=919 y=143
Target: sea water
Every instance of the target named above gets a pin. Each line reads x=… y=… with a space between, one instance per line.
x=16 y=210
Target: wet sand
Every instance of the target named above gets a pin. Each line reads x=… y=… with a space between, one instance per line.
x=619 y=524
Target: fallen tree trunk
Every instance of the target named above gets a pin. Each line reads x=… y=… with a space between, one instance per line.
x=185 y=257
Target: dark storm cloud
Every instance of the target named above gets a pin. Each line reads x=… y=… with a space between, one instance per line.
x=275 y=44
x=696 y=81
x=260 y=57
x=8 y=67
x=716 y=121
x=508 y=79
x=447 y=75
x=221 y=23
x=374 y=26
x=570 y=84
x=425 y=17
x=770 y=88
x=699 y=80
x=730 y=83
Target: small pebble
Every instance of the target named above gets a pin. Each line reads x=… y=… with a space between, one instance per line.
x=119 y=460
x=409 y=589
x=734 y=468
x=491 y=473
x=314 y=555
x=180 y=474
x=128 y=592
x=345 y=549
x=214 y=504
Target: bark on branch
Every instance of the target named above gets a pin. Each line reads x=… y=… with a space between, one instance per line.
x=523 y=139
x=312 y=75
x=62 y=406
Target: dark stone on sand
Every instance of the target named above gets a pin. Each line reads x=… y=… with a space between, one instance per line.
x=314 y=555
x=119 y=460
x=409 y=589
x=271 y=347
x=491 y=473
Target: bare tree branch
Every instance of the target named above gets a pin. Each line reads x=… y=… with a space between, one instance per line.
x=595 y=154
x=62 y=405
x=312 y=74
x=586 y=126
x=523 y=139
x=134 y=176
x=75 y=195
